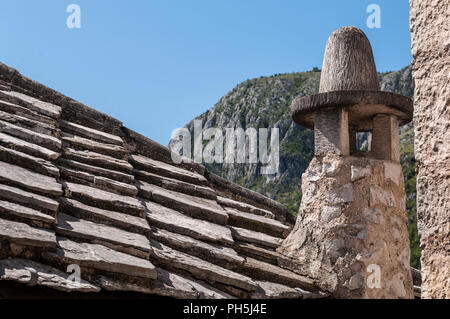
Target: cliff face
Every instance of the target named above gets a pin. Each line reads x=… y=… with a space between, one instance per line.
x=431 y=68
x=265 y=103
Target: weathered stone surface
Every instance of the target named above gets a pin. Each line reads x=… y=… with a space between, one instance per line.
x=393 y=171
x=430 y=46
x=78 y=142
x=29 y=180
x=26 y=235
x=256 y=238
x=385 y=138
x=104 y=199
x=97 y=159
x=32 y=125
x=25 y=112
x=117 y=239
x=431 y=117
x=176 y=185
x=164 y=169
x=329 y=213
x=331 y=132
x=362 y=106
x=177 y=222
x=343 y=194
x=268 y=272
x=344 y=45
x=238 y=192
x=244 y=207
x=34 y=163
x=26 y=147
x=337 y=244
x=102 y=216
x=34 y=104
x=43 y=140
x=219 y=255
x=16 y=210
x=168 y=284
x=200 y=269
x=360 y=172
x=30 y=272
x=382 y=196
x=196 y=207
x=257 y=223
x=98 y=171
x=90 y=133
x=102 y=258
x=20 y=196
x=312 y=295
x=100 y=182
x=270 y=290
x=256 y=252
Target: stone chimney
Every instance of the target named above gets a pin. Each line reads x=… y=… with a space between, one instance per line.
x=351 y=231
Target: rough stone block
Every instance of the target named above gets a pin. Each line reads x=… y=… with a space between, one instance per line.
x=385 y=138
x=331 y=133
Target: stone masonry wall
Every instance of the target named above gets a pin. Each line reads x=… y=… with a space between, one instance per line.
x=430 y=33
x=351 y=230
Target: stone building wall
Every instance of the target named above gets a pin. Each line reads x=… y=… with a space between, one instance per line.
x=430 y=33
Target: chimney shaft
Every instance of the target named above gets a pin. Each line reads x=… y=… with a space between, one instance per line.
x=351 y=231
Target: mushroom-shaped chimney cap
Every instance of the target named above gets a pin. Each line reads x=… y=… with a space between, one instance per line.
x=349 y=79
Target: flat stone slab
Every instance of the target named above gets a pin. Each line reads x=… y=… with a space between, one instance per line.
x=78 y=142
x=164 y=169
x=34 y=163
x=168 y=284
x=177 y=222
x=43 y=140
x=90 y=133
x=244 y=207
x=29 y=180
x=114 y=238
x=44 y=108
x=26 y=198
x=103 y=216
x=17 y=144
x=259 y=253
x=268 y=272
x=271 y=290
x=362 y=106
x=23 y=234
x=176 y=185
x=199 y=268
x=98 y=171
x=256 y=238
x=97 y=159
x=247 y=195
x=30 y=272
x=16 y=210
x=32 y=125
x=257 y=223
x=196 y=207
x=25 y=112
x=100 y=182
x=102 y=258
x=219 y=255
x=104 y=199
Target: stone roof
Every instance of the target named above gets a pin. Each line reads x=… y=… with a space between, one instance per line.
x=77 y=187
x=362 y=106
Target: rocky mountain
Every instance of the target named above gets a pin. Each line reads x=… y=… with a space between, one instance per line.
x=265 y=103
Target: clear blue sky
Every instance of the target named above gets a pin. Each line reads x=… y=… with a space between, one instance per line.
x=156 y=64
